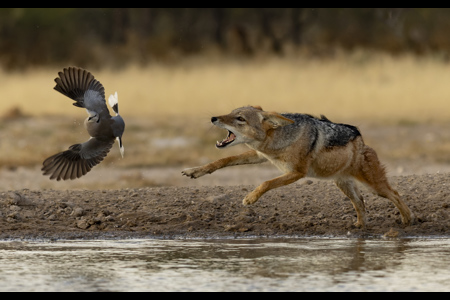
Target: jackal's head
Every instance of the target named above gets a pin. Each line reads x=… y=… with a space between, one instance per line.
x=248 y=125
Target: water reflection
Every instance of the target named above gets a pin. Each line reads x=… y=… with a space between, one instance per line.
x=226 y=265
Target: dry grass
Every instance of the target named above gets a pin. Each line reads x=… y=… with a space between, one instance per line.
x=167 y=108
x=356 y=87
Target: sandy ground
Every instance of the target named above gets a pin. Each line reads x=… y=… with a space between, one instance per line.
x=212 y=208
x=116 y=200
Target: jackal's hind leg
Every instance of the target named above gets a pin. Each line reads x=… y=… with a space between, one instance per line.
x=349 y=188
x=373 y=174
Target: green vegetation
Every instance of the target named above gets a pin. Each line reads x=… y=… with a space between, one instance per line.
x=99 y=37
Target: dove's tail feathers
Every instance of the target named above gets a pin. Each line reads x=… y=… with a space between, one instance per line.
x=114 y=102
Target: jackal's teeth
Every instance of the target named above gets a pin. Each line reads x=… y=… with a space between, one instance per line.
x=228 y=140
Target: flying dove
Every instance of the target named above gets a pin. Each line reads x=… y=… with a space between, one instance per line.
x=87 y=92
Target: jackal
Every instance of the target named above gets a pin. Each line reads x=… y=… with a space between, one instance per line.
x=301 y=145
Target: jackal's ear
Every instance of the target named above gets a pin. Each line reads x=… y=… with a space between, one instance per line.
x=275 y=119
x=257 y=107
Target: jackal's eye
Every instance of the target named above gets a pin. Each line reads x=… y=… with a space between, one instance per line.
x=241 y=119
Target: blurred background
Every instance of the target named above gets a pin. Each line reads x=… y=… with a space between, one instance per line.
x=385 y=70
x=105 y=37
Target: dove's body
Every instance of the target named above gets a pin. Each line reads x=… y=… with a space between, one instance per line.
x=81 y=86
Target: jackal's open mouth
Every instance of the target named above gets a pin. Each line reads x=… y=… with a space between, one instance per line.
x=230 y=138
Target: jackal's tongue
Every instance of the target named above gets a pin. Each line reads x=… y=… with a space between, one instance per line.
x=230 y=138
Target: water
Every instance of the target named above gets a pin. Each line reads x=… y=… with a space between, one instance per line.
x=301 y=264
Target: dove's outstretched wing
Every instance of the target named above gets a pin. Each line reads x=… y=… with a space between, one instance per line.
x=78 y=160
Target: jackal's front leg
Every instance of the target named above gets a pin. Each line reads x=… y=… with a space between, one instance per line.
x=249 y=157
x=282 y=180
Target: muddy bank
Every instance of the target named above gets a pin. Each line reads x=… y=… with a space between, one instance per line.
x=306 y=208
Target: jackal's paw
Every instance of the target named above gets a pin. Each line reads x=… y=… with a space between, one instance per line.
x=409 y=219
x=194 y=172
x=250 y=199
x=359 y=225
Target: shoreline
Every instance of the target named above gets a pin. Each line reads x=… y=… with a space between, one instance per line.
x=303 y=210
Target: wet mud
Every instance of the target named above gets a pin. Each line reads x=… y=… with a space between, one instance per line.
x=305 y=208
